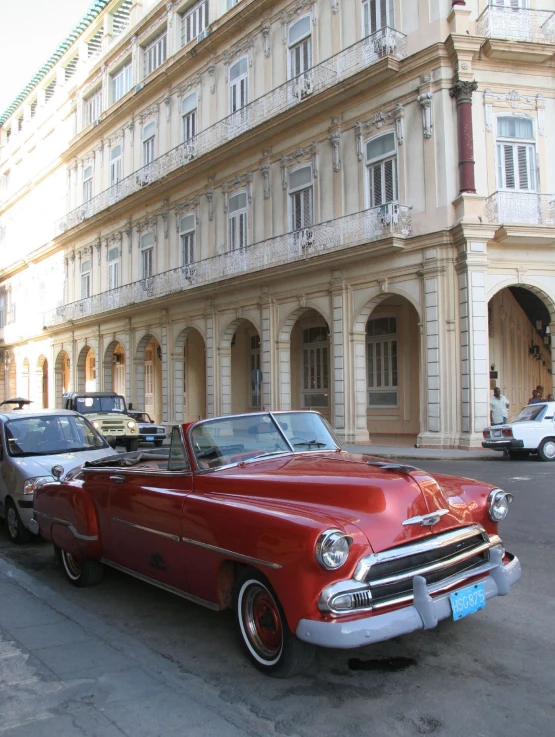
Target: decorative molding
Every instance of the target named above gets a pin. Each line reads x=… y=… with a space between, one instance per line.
x=129 y=233
x=378 y=120
x=425 y=101
x=512 y=99
x=209 y=194
x=92 y=83
x=116 y=139
x=168 y=104
x=237 y=183
x=211 y=71
x=265 y=170
x=287 y=16
x=335 y=6
x=98 y=246
x=462 y=91
x=184 y=89
x=183 y=207
x=488 y=114
x=297 y=156
x=246 y=46
x=151 y=113
x=335 y=140
x=266 y=29
x=148 y=224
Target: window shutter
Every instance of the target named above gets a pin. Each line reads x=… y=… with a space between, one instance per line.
x=376 y=185
x=389 y=177
x=509 y=166
x=373 y=24
x=383 y=13
x=307 y=207
x=522 y=157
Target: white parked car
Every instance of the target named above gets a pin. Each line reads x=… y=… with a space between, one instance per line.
x=532 y=431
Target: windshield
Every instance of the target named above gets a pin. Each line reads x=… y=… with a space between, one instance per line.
x=93 y=405
x=234 y=439
x=140 y=417
x=531 y=413
x=51 y=434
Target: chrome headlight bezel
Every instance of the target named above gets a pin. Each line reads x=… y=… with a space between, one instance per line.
x=131 y=424
x=332 y=542
x=32 y=484
x=498 y=504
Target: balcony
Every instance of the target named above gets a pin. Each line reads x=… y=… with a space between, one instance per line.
x=516 y=24
x=332 y=236
x=386 y=42
x=521 y=208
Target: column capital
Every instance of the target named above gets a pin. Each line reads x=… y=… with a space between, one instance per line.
x=462 y=91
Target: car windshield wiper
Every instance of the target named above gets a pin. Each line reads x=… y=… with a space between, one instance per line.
x=317 y=443
x=269 y=453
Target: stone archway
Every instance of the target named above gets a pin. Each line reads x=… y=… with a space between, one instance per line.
x=41 y=382
x=189 y=376
x=239 y=355
x=305 y=362
x=62 y=377
x=148 y=376
x=114 y=368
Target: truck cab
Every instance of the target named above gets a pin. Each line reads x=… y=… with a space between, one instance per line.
x=109 y=415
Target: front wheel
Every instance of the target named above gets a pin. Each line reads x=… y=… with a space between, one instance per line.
x=133 y=445
x=16 y=531
x=80 y=572
x=263 y=629
x=546 y=451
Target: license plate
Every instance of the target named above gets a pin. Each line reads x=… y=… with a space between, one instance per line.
x=149 y=438
x=468 y=600
x=497 y=433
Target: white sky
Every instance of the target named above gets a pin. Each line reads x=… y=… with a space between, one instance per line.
x=30 y=31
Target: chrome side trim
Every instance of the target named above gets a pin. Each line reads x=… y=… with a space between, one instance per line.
x=168 y=535
x=446 y=563
x=232 y=554
x=422 y=546
x=160 y=585
x=71 y=528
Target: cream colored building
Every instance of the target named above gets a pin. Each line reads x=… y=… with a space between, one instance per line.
x=220 y=206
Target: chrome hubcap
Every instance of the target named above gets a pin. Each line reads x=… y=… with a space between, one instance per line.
x=72 y=566
x=262 y=622
x=13 y=523
x=549 y=449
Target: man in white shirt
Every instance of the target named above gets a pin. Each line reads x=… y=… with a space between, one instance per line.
x=499 y=406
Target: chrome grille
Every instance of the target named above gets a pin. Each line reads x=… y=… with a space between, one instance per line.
x=390 y=574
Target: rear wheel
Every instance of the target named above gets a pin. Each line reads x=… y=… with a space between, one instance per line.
x=158 y=443
x=263 y=629
x=80 y=572
x=546 y=451
x=14 y=526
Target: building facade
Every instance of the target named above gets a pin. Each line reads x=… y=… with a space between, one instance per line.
x=345 y=205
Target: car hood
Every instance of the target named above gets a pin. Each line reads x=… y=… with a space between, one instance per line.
x=32 y=466
x=344 y=488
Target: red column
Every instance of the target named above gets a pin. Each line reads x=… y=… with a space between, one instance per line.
x=462 y=92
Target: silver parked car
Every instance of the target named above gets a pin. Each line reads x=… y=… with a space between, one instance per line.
x=149 y=431
x=31 y=443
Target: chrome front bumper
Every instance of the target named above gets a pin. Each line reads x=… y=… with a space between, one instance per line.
x=423 y=613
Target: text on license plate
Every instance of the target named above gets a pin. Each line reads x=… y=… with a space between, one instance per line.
x=468 y=600
x=149 y=438
x=497 y=433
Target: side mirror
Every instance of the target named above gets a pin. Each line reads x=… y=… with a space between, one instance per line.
x=57 y=472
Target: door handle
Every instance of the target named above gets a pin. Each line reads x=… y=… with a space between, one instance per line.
x=117 y=479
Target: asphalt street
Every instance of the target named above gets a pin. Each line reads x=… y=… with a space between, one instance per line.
x=488 y=675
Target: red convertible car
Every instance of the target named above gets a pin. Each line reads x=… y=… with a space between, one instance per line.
x=309 y=544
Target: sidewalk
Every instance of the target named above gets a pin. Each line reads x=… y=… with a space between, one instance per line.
x=425 y=454
x=64 y=672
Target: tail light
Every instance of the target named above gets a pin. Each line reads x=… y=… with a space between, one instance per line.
x=485 y=433
x=507 y=432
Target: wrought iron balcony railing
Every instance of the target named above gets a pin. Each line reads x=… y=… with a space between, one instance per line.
x=386 y=42
x=361 y=227
x=521 y=208
x=517 y=24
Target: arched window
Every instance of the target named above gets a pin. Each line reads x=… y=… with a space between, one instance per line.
x=85 y=279
x=189 y=116
x=377 y=14
x=516 y=154
x=381 y=362
x=301 y=198
x=149 y=138
x=187 y=240
x=115 y=165
x=381 y=163
x=147 y=255
x=87 y=184
x=239 y=85
x=300 y=46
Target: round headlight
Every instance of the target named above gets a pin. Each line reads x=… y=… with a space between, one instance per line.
x=498 y=504
x=95 y=425
x=131 y=424
x=332 y=549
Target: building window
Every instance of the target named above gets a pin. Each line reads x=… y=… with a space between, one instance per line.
x=193 y=22
x=115 y=165
x=121 y=18
x=255 y=373
x=122 y=81
x=85 y=279
x=70 y=69
x=2 y=310
x=300 y=194
x=516 y=154
x=300 y=46
x=239 y=85
x=94 y=45
x=113 y=267
x=93 y=107
x=147 y=253
x=376 y=14
x=189 y=116
x=87 y=184
x=34 y=108
x=187 y=240
x=237 y=221
x=149 y=136
x=381 y=162
x=20 y=124
x=155 y=53
x=381 y=362
x=315 y=351
x=49 y=91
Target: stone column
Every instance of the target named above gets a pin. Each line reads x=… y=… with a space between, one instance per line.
x=165 y=373
x=224 y=359
x=176 y=413
x=266 y=356
x=462 y=92
x=210 y=367
x=284 y=373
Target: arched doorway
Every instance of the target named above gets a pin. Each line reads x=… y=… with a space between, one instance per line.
x=114 y=368
x=148 y=366
x=42 y=382
x=62 y=374
x=310 y=381
x=86 y=370
x=241 y=377
x=388 y=326
x=26 y=379
x=189 y=372
x=520 y=320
